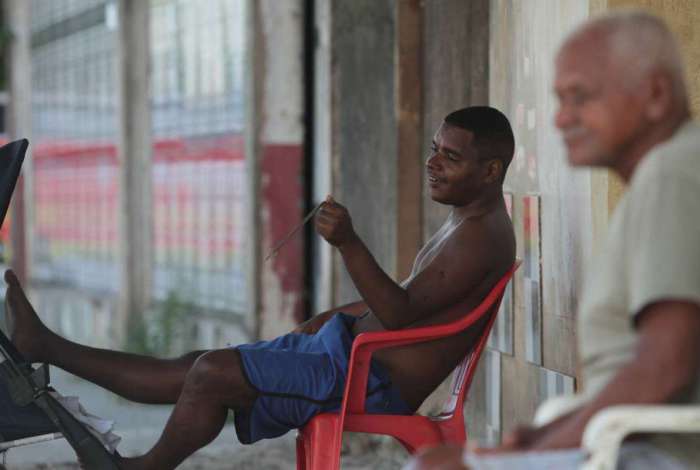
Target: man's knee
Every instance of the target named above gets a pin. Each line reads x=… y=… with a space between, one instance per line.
x=219 y=374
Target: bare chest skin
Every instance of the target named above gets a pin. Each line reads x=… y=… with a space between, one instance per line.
x=369 y=321
x=418 y=369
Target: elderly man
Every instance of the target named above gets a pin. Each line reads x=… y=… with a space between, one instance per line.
x=623 y=105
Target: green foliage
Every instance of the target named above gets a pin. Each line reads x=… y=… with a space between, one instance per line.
x=171 y=322
x=160 y=332
x=137 y=339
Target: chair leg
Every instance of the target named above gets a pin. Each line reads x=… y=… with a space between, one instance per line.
x=301 y=452
x=316 y=445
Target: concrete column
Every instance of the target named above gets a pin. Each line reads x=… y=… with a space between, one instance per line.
x=323 y=153
x=364 y=128
x=19 y=125
x=255 y=69
x=276 y=162
x=135 y=216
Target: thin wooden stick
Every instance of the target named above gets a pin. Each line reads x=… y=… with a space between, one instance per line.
x=286 y=238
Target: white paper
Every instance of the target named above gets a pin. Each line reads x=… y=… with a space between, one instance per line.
x=99 y=427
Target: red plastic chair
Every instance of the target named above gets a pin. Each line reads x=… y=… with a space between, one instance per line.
x=319 y=442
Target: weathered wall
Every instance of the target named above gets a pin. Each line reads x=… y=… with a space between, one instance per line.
x=553 y=226
x=364 y=127
x=455 y=72
x=279 y=153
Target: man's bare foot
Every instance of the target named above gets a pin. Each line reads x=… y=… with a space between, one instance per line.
x=29 y=335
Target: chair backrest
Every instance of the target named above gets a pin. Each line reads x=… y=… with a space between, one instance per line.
x=464 y=373
x=366 y=343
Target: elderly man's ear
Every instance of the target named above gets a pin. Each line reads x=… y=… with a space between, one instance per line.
x=660 y=96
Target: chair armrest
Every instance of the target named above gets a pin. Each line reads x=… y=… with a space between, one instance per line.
x=608 y=428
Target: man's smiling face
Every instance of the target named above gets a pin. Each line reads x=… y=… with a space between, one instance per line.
x=454 y=170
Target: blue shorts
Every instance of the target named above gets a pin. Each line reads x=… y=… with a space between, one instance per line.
x=298 y=376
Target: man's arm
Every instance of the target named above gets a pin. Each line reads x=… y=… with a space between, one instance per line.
x=447 y=280
x=666 y=365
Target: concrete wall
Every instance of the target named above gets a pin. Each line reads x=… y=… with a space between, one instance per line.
x=551 y=211
x=364 y=127
x=455 y=72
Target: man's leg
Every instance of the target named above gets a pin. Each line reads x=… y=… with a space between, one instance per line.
x=137 y=378
x=204 y=385
x=213 y=385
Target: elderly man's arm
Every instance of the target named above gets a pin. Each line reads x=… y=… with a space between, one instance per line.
x=665 y=366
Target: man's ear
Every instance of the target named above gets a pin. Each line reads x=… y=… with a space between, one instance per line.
x=660 y=96
x=494 y=170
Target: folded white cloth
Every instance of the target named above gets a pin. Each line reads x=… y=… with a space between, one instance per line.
x=99 y=427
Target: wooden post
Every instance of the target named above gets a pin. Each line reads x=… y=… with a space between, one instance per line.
x=409 y=103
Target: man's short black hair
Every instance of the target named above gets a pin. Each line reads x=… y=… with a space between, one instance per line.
x=493 y=136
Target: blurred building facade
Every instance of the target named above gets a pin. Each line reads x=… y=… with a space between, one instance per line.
x=76 y=239
x=256 y=111
x=197 y=110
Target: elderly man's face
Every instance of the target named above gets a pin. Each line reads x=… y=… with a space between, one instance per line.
x=598 y=116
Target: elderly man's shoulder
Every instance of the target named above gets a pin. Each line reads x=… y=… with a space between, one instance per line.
x=680 y=152
x=678 y=157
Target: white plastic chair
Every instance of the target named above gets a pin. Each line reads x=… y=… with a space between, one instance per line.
x=607 y=429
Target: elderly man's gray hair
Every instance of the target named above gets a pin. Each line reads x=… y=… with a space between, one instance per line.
x=641 y=43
